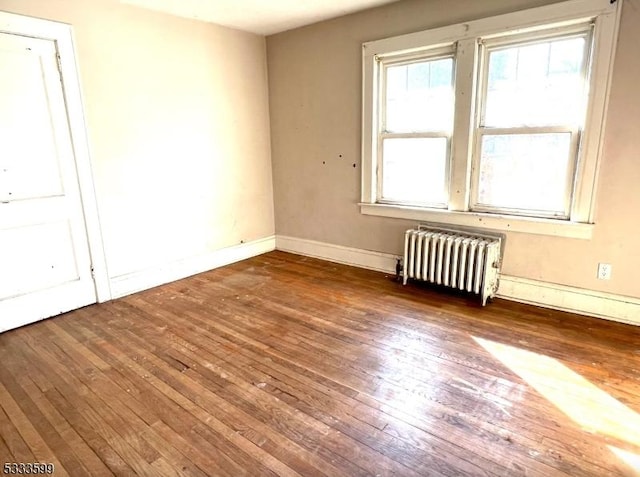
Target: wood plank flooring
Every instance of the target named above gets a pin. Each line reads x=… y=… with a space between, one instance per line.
x=285 y=365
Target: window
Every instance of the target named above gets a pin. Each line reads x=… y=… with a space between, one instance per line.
x=532 y=110
x=416 y=131
x=480 y=123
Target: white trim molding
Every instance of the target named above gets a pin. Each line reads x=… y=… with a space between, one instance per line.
x=381 y=262
x=529 y=225
x=592 y=303
x=152 y=277
x=572 y=299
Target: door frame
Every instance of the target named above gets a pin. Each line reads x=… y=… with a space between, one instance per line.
x=62 y=34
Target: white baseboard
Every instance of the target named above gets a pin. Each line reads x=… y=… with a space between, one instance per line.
x=549 y=295
x=382 y=262
x=576 y=300
x=152 y=277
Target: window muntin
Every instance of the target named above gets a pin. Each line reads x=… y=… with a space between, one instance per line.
x=415 y=129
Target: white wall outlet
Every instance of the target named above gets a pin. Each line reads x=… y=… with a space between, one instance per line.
x=604 y=271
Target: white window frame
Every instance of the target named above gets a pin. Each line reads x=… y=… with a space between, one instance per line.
x=397 y=60
x=466 y=38
x=485 y=47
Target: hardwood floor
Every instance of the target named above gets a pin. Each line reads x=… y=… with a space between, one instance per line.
x=284 y=365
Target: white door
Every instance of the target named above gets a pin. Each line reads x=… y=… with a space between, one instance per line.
x=45 y=266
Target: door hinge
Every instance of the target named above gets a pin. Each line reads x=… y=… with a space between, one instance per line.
x=59 y=63
x=93 y=272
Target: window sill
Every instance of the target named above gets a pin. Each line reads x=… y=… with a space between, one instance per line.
x=509 y=223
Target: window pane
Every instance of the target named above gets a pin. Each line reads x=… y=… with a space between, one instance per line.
x=414 y=170
x=536 y=85
x=420 y=96
x=525 y=171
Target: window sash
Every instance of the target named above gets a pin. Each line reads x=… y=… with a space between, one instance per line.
x=487 y=46
x=380 y=169
x=406 y=60
x=570 y=181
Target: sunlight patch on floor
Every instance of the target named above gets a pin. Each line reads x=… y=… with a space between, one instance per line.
x=587 y=405
x=632 y=460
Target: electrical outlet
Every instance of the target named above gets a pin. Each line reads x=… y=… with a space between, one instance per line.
x=604 y=271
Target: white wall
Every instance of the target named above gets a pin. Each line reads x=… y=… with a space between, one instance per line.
x=178 y=124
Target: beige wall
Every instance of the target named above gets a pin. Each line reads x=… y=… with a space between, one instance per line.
x=178 y=124
x=315 y=98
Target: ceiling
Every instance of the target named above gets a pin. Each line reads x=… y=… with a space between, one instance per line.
x=264 y=17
